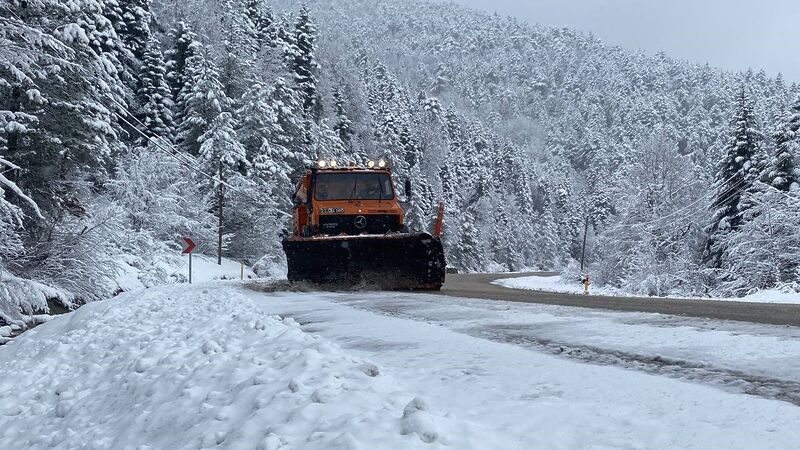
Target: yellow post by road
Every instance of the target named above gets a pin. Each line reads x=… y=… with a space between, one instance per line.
x=585 y=281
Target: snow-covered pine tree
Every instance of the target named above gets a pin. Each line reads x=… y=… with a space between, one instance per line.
x=782 y=173
x=274 y=114
x=201 y=101
x=258 y=121
x=448 y=170
x=56 y=142
x=272 y=169
x=224 y=156
x=343 y=125
x=10 y=214
x=263 y=21
x=133 y=25
x=303 y=64
x=285 y=39
x=52 y=132
x=736 y=175
x=24 y=47
x=184 y=46
x=547 y=251
x=764 y=252
x=467 y=250
x=125 y=61
x=154 y=96
x=239 y=46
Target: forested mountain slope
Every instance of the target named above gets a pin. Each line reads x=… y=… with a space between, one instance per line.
x=125 y=124
x=547 y=129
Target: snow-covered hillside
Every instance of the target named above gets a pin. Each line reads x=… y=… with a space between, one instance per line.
x=192 y=118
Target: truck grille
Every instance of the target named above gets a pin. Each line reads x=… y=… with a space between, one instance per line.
x=359 y=224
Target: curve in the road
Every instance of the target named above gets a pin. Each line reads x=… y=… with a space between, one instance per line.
x=480 y=286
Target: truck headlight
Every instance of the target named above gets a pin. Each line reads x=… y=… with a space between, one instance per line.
x=381 y=164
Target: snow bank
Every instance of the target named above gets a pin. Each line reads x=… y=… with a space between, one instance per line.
x=174 y=268
x=557 y=284
x=21 y=298
x=195 y=367
x=205 y=268
x=543 y=283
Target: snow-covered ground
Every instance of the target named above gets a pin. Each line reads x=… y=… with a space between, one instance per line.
x=203 y=366
x=492 y=362
x=176 y=268
x=556 y=284
x=222 y=365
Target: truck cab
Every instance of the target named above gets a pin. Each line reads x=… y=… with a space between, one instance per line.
x=349 y=230
x=352 y=201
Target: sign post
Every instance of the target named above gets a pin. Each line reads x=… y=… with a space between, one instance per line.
x=188 y=246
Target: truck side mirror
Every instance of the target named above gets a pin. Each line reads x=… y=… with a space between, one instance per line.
x=408 y=188
x=300 y=196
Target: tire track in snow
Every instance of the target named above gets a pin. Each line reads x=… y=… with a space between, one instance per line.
x=727 y=379
x=522 y=335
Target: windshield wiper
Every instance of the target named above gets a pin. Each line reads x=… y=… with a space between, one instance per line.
x=380 y=183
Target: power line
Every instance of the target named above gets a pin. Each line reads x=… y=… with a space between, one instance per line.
x=728 y=193
x=187 y=160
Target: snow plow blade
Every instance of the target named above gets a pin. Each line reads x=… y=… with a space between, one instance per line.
x=384 y=261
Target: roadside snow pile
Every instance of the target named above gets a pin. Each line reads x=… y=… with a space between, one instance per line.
x=23 y=301
x=543 y=283
x=769 y=296
x=174 y=268
x=195 y=367
x=205 y=268
x=558 y=285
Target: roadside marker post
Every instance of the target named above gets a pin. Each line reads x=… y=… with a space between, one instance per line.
x=188 y=247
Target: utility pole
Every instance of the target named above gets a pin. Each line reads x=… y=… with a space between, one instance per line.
x=583 y=248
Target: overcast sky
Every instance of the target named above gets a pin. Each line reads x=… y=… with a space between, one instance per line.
x=731 y=34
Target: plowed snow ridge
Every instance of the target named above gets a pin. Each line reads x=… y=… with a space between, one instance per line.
x=195 y=367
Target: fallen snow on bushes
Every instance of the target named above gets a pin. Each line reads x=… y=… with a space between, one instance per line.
x=21 y=300
x=557 y=284
x=201 y=366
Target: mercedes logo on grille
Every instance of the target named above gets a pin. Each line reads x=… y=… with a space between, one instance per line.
x=360 y=222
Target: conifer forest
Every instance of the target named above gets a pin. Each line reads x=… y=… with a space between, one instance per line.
x=126 y=124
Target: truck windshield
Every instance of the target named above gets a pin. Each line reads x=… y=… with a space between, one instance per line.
x=353 y=186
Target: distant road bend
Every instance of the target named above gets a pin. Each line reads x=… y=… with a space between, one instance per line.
x=480 y=286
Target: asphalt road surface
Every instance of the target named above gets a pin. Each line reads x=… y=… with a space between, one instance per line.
x=480 y=286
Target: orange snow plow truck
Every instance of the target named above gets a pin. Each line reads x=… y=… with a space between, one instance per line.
x=349 y=230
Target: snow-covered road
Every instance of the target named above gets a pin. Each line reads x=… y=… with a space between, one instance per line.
x=492 y=363
x=211 y=365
